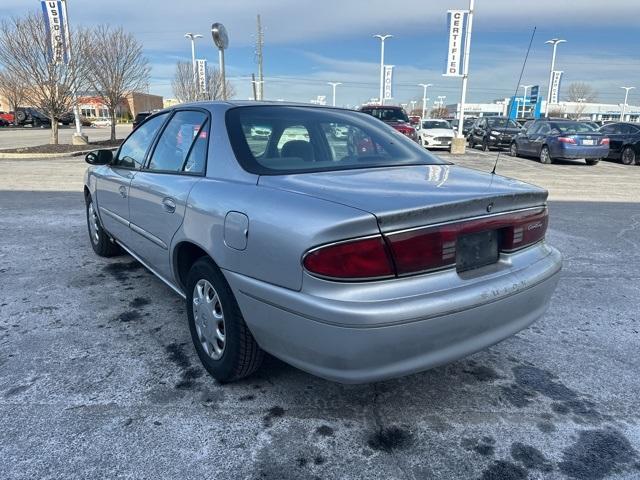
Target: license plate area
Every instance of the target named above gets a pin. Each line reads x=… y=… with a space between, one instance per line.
x=588 y=142
x=476 y=250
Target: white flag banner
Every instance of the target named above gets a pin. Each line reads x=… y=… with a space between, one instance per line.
x=55 y=19
x=457 y=21
x=555 y=86
x=201 y=68
x=388 y=82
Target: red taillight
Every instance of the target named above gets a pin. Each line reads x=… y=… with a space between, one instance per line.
x=567 y=140
x=358 y=259
x=604 y=141
x=422 y=249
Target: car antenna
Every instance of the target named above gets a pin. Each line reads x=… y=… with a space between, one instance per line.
x=524 y=64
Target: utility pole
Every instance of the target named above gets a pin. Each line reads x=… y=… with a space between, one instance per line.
x=624 y=105
x=524 y=99
x=333 y=86
x=259 y=58
x=554 y=42
x=253 y=84
x=424 y=97
x=382 y=39
x=193 y=37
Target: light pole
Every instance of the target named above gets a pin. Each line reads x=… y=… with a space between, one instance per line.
x=624 y=105
x=424 y=97
x=193 y=37
x=221 y=41
x=524 y=99
x=554 y=42
x=441 y=100
x=333 y=88
x=382 y=39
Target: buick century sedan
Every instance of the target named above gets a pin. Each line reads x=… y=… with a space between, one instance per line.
x=355 y=257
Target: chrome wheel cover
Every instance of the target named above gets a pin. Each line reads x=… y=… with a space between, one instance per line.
x=514 y=150
x=544 y=155
x=208 y=317
x=94 y=228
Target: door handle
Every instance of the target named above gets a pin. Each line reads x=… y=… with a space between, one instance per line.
x=123 y=191
x=169 y=205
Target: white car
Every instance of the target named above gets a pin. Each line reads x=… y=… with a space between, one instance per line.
x=435 y=134
x=101 y=122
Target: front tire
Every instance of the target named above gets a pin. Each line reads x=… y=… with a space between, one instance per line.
x=485 y=144
x=545 y=156
x=220 y=335
x=592 y=161
x=472 y=144
x=628 y=156
x=100 y=241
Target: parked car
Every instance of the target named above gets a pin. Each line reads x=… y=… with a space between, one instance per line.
x=3 y=122
x=466 y=126
x=549 y=140
x=624 y=142
x=435 y=134
x=102 y=122
x=8 y=117
x=69 y=118
x=394 y=116
x=354 y=265
x=140 y=117
x=32 y=116
x=491 y=132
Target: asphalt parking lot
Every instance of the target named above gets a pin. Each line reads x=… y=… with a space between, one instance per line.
x=99 y=378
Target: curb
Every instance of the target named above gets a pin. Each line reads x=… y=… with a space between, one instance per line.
x=77 y=153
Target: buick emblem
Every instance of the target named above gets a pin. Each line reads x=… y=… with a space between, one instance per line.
x=490 y=207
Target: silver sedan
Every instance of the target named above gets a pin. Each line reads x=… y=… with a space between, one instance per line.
x=356 y=257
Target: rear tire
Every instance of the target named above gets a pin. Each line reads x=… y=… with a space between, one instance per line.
x=545 y=156
x=220 y=335
x=628 y=156
x=592 y=161
x=513 y=149
x=100 y=241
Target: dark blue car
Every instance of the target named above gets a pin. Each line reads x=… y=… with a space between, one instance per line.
x=549 y=140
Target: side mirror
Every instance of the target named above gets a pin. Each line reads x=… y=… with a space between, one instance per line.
x=99 y=157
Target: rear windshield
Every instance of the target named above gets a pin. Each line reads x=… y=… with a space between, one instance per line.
x=387 y=114
x=435 y=124
x=573 y=127
x=278 y=140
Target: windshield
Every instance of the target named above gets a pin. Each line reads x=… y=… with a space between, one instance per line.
x=502 y=122
x=573 y=127
x=387 y=114
x=272 y=140
x=435 y=124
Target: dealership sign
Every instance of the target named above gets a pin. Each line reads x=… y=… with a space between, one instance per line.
x=556 y=75
x=533 y=96
x=202 y=76
x=457 y=21
x=55 y=19
x=388 y=82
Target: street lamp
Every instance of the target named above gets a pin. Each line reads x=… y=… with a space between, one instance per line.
x=333 y=87
x=424 y=97
x=193 y=37
x=554 y=42
x=524 y=100
x=624 y=105
x=382 y=39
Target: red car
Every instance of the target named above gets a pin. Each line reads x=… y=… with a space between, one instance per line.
x=7 y=116
x=393 y=116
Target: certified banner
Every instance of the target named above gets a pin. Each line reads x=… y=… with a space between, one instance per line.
x=457 y=21
x=201 y=68
x=556 y=76
x=59 y=41
x=388 y=82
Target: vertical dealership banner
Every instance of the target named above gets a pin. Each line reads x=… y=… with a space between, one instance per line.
x=533 y=95
x=201 y=68
x=55 y=20
x=388 y=82
x=457 y=21
x=556 y=76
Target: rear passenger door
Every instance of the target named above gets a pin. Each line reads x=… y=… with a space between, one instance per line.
x=159 y=192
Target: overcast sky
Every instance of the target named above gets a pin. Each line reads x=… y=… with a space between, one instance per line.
x=308 y=43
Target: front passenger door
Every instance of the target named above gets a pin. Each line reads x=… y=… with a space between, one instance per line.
x=159 y=192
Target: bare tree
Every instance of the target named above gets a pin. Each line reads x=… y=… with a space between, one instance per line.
x=439 y=112
x=24 y=52
x=117 y=68
x=185 y=90
x=13 y=89
x=580 y=93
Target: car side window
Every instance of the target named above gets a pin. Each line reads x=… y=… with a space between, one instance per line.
x=628 y=129
x=545 y=129
x=533 y=128
x=174 y=144
x=134 y=149
x=198 y=156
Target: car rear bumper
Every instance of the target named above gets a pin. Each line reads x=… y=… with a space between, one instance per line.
x=363 y=341
x=578 y=151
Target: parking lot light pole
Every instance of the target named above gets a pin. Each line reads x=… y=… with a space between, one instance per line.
x=382 y=39
x=524 y=100
x=554 y=42
x=424 y=97
x=333 y=88
x=624 y=105
x=193 y=37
